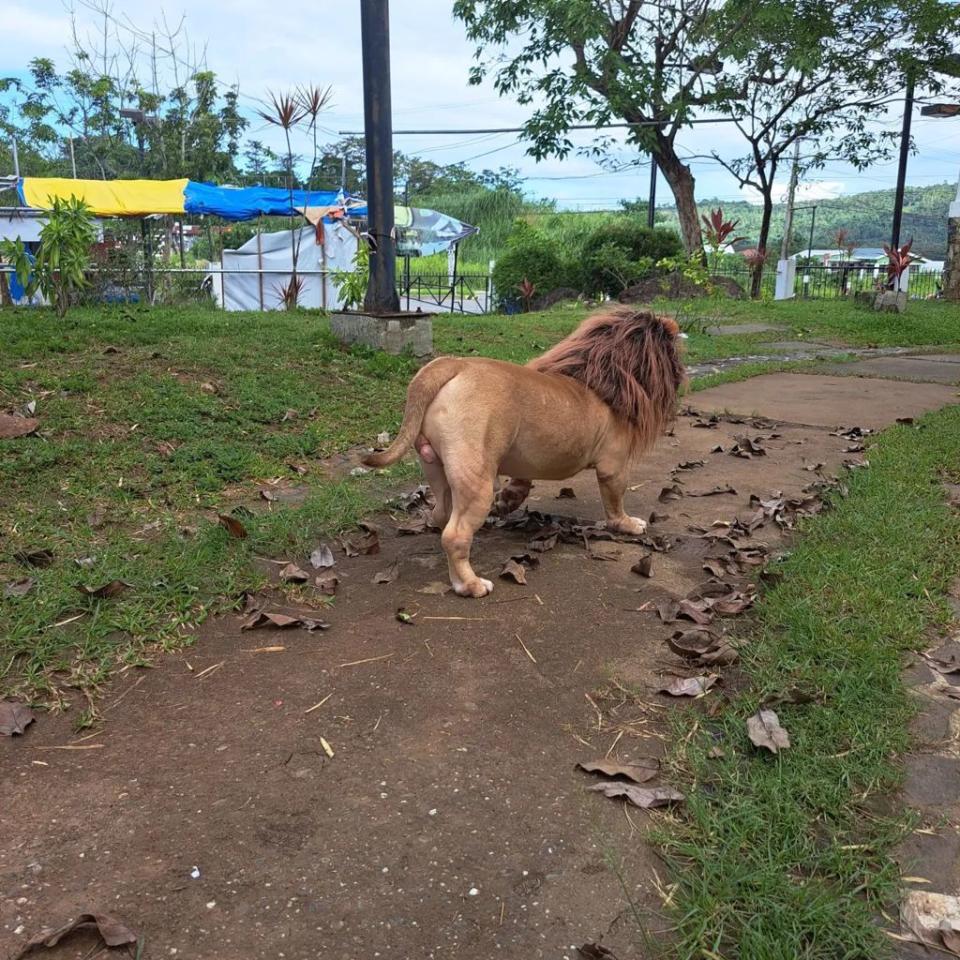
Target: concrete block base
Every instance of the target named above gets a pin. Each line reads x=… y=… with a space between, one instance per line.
x=391 y=332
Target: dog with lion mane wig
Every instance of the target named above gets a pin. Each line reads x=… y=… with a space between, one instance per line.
x=598 y=399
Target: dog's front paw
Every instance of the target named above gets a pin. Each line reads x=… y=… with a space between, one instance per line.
x=474 y=588
x=631 y=525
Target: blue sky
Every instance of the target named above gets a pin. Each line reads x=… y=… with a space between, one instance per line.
x=252 y=43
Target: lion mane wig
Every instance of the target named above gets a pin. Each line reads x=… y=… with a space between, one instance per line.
x=631 y=360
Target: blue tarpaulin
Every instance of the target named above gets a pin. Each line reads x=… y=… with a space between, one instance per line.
x=247 y=203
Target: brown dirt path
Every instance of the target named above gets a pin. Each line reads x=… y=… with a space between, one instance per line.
x=450 y=820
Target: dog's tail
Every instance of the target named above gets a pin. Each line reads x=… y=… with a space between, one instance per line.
x=423 y=388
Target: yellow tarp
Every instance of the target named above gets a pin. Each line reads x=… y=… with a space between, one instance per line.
x=109 y=198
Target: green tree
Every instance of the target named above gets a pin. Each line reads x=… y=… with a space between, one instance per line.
x=822 y=72
x=579 y=61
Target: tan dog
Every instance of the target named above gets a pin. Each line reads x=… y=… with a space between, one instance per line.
x=598 y=399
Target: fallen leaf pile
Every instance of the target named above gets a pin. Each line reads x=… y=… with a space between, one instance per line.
x=624 y=779
x=704 y=603
x=281 y=621
x=785 y=511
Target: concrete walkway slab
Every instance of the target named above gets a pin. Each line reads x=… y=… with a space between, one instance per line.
x=937 y=368
x=826 y=401
x=734 y=329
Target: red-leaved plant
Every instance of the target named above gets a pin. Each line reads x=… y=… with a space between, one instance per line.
x=898 y=261
x=754 y=257
x=717 y=232
x=527 y=290
x=841 y=241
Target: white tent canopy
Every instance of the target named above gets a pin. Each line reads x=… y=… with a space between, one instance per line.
x=254 y=277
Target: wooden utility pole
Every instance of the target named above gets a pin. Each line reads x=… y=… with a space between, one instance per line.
x=791 y=196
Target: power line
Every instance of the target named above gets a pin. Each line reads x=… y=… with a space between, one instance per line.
x=574 y=126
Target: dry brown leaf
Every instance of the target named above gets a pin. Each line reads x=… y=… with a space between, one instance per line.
x=949 y=936
x=389 y=574
x=640 y=771
x=643 y=797
x=644 y=566
x=692 y=644
x=673 y=492
x=233 y=526
x=765 y=731
x=567 y=493
x=291 y=573
x=435 y=588
x=689 y=686
x=543 y=544
x=18 y=588
x=12 y=428
x=658 y=517
x=322 y=557
x=281 y=621
x=711 y=492
x=327 y=583
x=514 y=571
x=14 y=717
x=596 y=951
x=113 y=932
x=414 y=527
x=690 y=464
x=268 y=495
x=34 y=558
x=112 y=589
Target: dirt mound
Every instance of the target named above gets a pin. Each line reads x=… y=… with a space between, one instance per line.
x=555 y=296
x=678 y=287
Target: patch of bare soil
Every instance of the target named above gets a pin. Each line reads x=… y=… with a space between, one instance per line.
x=405 y=786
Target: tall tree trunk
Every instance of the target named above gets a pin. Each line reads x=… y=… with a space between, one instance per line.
x=681 y=181
x=757 y=272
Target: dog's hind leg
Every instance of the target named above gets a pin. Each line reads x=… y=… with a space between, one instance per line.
x=471 y=504
x=437 y=478
x=613 y=485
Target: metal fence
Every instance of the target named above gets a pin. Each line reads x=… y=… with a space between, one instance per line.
x=837 y=280
x=463 y=293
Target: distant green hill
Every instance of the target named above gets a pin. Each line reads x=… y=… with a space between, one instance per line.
x=865 y=216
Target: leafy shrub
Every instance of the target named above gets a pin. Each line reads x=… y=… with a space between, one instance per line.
x=529 y=256
x=59 y=271
x=622 y=252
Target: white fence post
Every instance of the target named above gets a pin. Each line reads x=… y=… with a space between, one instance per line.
x=786 y=279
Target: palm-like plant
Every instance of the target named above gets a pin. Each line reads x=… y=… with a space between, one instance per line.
x=313 y=101
x=285 y=110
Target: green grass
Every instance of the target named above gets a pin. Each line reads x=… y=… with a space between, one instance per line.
x=925 y=321
x=789 y=856
x=184 y=417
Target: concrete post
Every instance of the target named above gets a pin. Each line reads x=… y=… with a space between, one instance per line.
x=786 y=279
x=951 y=267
